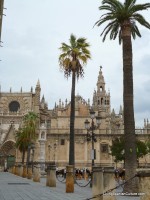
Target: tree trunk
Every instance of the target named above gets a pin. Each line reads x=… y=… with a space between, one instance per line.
x=72 y=119
x=23 y=156
x=129 y=122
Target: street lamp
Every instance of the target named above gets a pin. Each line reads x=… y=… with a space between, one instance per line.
x=91 y=135
x=90 y=132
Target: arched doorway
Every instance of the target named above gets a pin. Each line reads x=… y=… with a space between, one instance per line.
x=7 y=154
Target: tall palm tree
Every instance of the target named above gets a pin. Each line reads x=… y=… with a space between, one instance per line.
x=22 y=142
x=27 y=133
x=71 y=60
x=121 y=19
x=1 y=18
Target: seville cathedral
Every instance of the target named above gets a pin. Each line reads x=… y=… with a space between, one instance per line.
x=52 y=142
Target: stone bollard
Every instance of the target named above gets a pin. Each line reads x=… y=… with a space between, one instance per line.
x=13 y=169
x=70 y=179
x=29 y=174
x=51 y=176
x=20 y=169
x=144 y=183
x=36 y=173
x=109 y=183
x=9 y=170
x=16 y=170
x=103 y=180
x=24 y=173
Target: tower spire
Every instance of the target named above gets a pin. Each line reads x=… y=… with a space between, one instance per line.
x=100 y=97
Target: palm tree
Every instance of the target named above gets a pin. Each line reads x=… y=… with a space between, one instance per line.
x=30 y=124
x=26 y=134
x=22 y=142
x=121 y=19
x=1 y=18
x=72 y=59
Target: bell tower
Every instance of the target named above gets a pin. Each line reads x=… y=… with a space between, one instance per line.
x=37 y=96
x=101 y=99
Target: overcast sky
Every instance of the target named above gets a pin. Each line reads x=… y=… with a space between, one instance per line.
x=32 y=32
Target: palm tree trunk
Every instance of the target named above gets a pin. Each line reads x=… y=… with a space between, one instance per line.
x=23 y=156
x=129 y=122
x=72 y=119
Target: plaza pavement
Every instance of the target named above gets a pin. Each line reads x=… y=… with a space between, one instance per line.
x=13 y=187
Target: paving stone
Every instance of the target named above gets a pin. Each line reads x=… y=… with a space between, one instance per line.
x=13 y=187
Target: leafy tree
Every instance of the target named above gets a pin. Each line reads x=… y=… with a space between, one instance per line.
x=118 y=149
x=141 y=149
x=148 y=145
x=72 y=59
x=121 y=21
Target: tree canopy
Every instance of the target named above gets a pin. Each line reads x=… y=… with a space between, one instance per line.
x=118 y=149
x=119 y=15
x=74 y=56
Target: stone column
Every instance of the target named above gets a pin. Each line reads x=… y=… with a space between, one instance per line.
x=24 y=173
x=29 y=175
x=20 y=170
x=13 y=169
x=36 y=174
x=97 y=182
x=103 y=180
x=42 y=155
x=70 y=179
x=16 y=169
x=109 y=183
x=144 y=183
x=51 y=176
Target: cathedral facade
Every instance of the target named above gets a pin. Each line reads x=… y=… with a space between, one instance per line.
x=52 y=142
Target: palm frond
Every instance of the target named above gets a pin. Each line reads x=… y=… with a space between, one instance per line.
x=118 y=14
x=72 y=54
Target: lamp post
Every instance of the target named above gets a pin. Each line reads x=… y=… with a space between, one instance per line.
x=90 y=133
